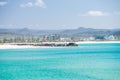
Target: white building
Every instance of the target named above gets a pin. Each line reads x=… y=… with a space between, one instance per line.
x=111 y=37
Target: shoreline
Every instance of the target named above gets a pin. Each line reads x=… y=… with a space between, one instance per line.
x=13 y=46
x=96 y=42
x=10 y=46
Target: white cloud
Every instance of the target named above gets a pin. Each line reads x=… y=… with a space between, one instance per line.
x=40 y=3
x=3 y=3
x=37 y=3
x=29 y=4
x=95 y=13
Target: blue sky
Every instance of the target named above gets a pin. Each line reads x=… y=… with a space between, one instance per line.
x=59 y=14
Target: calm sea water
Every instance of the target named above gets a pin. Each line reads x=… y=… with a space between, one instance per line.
x=86 y=62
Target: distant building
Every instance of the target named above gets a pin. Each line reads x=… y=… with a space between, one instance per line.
x=99 y=38
x=91 y=38
x=111 y=37
x=53 y=38
x=45 y=38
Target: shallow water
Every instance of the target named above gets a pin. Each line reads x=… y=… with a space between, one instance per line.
x=86 y=62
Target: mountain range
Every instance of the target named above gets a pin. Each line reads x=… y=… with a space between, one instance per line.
x=78 y=31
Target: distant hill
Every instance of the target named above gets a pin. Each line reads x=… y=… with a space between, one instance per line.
x=28 y=31
x=88 y=32
x=79 y=31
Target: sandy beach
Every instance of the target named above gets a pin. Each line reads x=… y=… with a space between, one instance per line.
x=11 y=46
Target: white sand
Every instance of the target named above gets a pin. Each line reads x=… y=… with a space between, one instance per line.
x=8 y=46
x=11 y=46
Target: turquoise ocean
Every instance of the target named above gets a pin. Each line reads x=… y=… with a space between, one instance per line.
x=85 y=62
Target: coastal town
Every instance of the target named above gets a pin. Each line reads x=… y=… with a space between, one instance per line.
x=38 y=36
x=10 y=38
x=53 y=40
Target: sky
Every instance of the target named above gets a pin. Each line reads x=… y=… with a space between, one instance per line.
x=60 y=14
